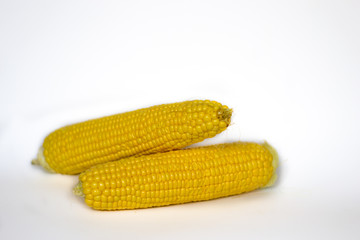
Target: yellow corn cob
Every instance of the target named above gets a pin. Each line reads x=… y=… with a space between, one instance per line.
x=178 y=176
x=74 y=148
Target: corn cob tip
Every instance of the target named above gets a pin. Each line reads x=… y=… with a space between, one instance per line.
x=275 y=163
x=40 y=160
x=78 y=190
x=225 y=115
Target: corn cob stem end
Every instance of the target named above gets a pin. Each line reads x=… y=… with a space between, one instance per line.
x=40 y=160
x=78 y=190
x=275 y=163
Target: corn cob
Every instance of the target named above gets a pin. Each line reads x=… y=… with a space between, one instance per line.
x=180 y=176
x=74 y=148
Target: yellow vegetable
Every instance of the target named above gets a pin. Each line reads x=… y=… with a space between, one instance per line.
x=180 y=176
x=75 y=148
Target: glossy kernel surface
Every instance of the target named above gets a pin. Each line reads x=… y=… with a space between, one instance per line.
x=178 y=176
x=74 y=148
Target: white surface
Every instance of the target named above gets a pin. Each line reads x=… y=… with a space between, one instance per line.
x=289 y=69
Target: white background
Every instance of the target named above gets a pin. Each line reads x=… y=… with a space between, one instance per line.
x=289 y=69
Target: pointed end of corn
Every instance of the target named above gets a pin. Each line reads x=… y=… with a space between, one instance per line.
x=225 y=114
x=275 y=163
x=40 y=160
x=78 y=190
